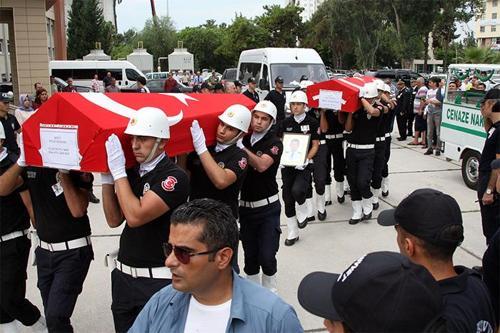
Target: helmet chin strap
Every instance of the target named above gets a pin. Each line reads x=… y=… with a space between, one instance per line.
x=153 y=151
x=233 y=140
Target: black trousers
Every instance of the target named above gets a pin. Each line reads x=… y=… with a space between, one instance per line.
x=320 y=169
x=129 y=297
x=402 y=120
x=490 y=214
x=387 y=152
x=379 y=162
x=260 y=235
x=14 y=255
x=336 y=150
x=359 y=172
x=296 y=187
x=409 y=125
x=60 y=279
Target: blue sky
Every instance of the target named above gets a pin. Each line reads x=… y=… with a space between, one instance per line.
x=133 y=13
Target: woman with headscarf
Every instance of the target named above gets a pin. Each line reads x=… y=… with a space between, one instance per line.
x=25 y=110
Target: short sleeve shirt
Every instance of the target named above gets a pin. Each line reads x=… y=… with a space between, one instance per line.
x=142 y=246
x=365 y=128
x=334 y=125
x=261 y=185
x=54 y=222
x=13 y=213
x=11 y=126
x=253 y=96
x=279 y=100
x=232 y=158
x=491 y=148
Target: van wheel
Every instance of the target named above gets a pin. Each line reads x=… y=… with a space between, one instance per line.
x=470 y=168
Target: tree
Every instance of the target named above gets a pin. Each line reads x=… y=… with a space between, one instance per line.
x=159 y=39
x=123 y=44
x=81 y=34
x=481 y=55
x=283 y=24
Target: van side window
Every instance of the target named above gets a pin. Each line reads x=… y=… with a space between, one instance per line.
x=116 y=73
x=132 y=74
x=265 y=74
x=248 y=70
x=62 y=73
x=83 y=74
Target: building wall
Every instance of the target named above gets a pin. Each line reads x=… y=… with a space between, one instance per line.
x=487 y=27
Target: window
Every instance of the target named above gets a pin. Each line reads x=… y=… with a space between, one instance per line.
x=83 y=74
x=62 y=73
x=1 y=46
x=493 y=28
x=481 y=29
x=494 y=3
x=116 y=73
x=132 y=74
x=494 y=16
x=248 y=70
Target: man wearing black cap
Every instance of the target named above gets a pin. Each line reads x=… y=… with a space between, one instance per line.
x=380 y=292
x=250 y=92
x=278 y=98
x=430 y=238
x=489 y=201
x=206 y=88
x=10 y=124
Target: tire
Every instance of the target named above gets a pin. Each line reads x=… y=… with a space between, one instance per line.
x=470 y=168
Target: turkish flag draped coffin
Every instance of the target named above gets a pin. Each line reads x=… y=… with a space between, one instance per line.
x=69 y=131
x=348 y=88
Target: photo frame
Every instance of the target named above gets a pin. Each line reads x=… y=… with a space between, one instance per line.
x=295 y=149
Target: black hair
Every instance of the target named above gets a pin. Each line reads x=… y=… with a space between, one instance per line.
x=142 y=80
x=219 y=225
x=435 y=79
x=442 y=252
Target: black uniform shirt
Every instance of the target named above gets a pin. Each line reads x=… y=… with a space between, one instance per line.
x=54 y=222
x=308 y=126
x=467 y=306
x=334 y=125
x=232 y=158
x=253 y=96
x=491 y=148
x=10 y=126
x=141 y=246
x=383 y=122
x=390 y=117
x=261 y=185
x=13 y=213
x=365 y=128
x=279 y=100
x=316 y=114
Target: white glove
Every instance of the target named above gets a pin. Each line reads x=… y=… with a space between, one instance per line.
x=116 y=157
x=107 y=178
x=239 y=143
x=303 y=166
x=21 y=161
x=198 y=138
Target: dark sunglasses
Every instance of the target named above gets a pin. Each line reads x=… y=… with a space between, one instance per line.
x=182 y=254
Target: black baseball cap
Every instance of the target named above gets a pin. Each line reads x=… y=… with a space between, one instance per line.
x=427 y=214
x=6 y=96
x=493 y=94
x=237 y=83
x=218 y=86
x=380 y=292
x=251 y=80
x=278 y=79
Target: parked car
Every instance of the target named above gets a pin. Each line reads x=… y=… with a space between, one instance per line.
x=229 y=74
x=156 y=86
x=61 y=84
x=396 y=74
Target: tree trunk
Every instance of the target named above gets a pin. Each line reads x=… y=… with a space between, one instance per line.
x=426 y=51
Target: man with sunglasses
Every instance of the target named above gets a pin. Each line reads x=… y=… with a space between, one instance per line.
x=206 y=294
x=144 y=197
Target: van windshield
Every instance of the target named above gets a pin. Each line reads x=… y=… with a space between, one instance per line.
x=291 y=73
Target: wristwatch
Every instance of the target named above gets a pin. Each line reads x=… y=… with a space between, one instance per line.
x=489 y=191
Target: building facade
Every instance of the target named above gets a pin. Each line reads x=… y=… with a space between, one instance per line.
x=487 y=27
x=310 y=7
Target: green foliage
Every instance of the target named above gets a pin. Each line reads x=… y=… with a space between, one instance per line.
x=86 y=26
x=480 y=55
x=159 y=37
x=282 y=24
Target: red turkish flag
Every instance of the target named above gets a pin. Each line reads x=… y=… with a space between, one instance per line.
x=349 y=87
x=70 y=129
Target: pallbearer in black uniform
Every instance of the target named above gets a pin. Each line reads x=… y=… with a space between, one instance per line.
x=14 y=251
x=144 y=197
x=218 y=172
x=59 y=199
x=334 y=137
x=260 y=207
x=389 y=126
x=297 y=180
x=360 y=154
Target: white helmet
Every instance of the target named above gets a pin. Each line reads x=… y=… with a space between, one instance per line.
x=266 y=107
x=386 y=88
x=380 y=84
x=298 y=97
x=305 y=83
x=149 y=121
x=369 y=90
x=237 y=116
x=2 y=132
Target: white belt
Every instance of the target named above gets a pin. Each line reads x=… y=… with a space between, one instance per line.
x=380 y=139
x=13 y=235
x=260 y=203
x=63 y=246
x=322 y=142
x=334 y=136
x=152 y=273
x=387 y=135
x=350 y=145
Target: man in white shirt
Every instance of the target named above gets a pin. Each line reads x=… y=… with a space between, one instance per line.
x=433 y=112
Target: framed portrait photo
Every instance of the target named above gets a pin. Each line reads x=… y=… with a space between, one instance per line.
x=295 y=148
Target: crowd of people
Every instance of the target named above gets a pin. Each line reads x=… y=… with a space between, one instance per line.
x=177 y=268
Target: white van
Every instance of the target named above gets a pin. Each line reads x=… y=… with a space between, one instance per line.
x=82 y=71
x=462 y=126
x=289 y=63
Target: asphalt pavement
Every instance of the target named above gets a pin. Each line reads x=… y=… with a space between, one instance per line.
x=330 y=245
